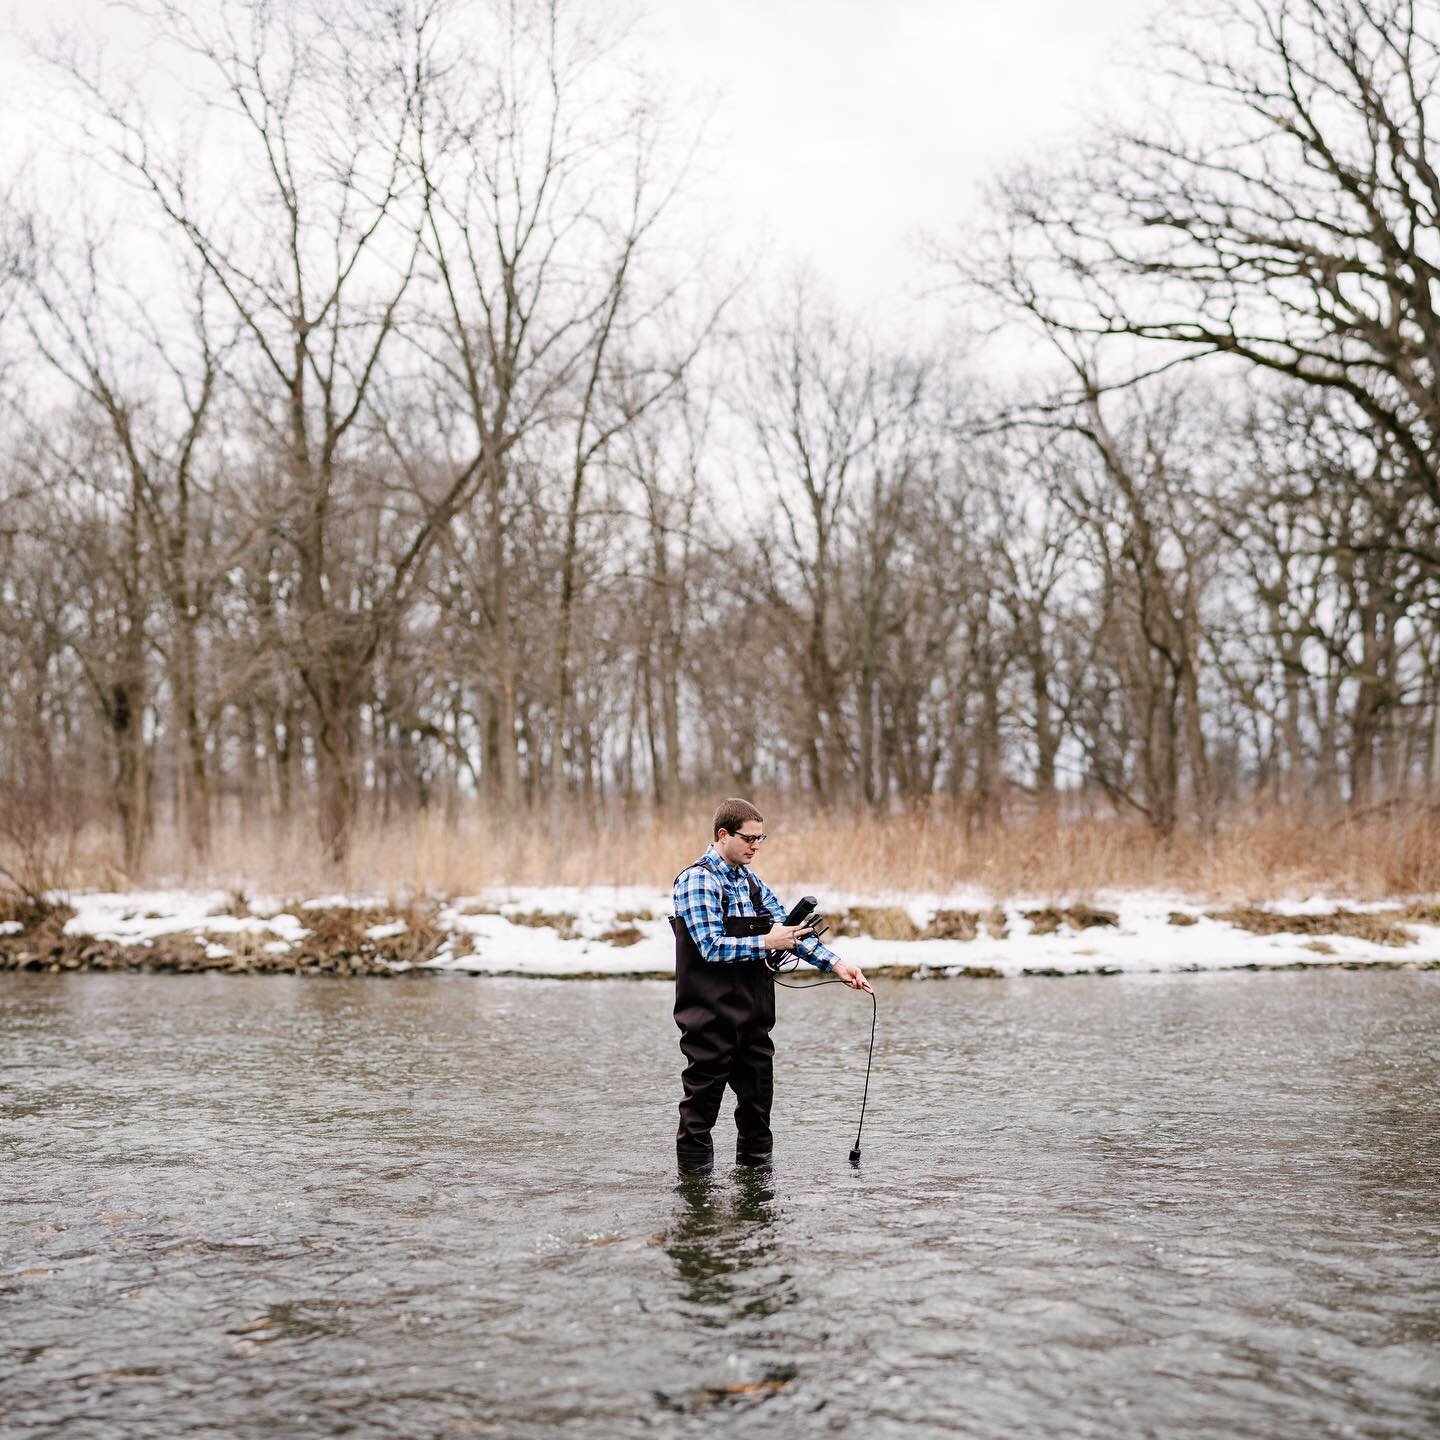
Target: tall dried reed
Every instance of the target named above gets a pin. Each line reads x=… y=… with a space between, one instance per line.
x=1253 y=855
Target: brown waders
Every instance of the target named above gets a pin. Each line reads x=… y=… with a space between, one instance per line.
x=725 y=1011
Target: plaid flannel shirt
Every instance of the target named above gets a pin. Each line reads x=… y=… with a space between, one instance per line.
x=697 y=903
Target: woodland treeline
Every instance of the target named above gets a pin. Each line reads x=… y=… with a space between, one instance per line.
x=392 y=443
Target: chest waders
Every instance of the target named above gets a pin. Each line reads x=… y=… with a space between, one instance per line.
x=725 y=1011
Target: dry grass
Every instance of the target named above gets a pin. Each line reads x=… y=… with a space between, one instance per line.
x=1078 y=917
x=882 y=922
x=342 y=930
x=561 y=922
x=622 y=936
x=1259 y=855
x=1378 y=928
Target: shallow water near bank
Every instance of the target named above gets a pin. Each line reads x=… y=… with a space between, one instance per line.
x=1200 y=1206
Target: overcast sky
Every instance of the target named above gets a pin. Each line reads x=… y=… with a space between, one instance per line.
x=839 y=129
x=843 y=127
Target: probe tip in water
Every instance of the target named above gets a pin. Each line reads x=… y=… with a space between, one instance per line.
x=855 y=1157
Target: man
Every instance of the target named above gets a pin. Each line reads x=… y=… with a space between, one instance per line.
x=725 y=992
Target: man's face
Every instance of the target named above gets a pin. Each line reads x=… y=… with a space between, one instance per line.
x=740 y=848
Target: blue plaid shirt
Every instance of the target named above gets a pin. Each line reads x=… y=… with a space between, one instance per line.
x=697 y=903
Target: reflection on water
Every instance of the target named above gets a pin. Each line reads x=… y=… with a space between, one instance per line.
x=1195 y=1207
x=726 y=1249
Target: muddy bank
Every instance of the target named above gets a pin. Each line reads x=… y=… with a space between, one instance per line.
x=335 y=941
x=596 y=933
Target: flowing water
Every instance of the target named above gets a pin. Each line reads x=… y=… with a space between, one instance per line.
x=1196 y=1206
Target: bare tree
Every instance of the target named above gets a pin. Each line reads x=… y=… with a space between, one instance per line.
x=1280 y=211
x=103 y=339
x=541 y=196
x=313 y=265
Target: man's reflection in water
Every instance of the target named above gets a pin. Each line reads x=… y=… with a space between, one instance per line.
x=725 y=1245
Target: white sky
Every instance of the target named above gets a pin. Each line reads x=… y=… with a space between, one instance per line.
x=844 y=127
x=839 y=129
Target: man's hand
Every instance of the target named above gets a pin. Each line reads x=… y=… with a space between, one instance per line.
x=783 y=937
x=851 y=975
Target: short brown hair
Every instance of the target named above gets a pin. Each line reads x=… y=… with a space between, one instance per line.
x=732 y=814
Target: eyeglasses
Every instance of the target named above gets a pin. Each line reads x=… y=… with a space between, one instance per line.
x=752 y=839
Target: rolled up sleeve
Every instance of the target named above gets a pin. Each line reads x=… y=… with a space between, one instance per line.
x=817 y=954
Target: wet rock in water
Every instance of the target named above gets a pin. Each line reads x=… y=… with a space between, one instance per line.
x=742 y=1393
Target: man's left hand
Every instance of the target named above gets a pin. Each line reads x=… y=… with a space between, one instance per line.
x=851 y=975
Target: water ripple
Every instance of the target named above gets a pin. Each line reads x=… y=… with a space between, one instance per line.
x=1197 y=1208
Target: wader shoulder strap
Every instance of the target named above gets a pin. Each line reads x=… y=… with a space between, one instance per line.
x=735 y=925
x=756 y=902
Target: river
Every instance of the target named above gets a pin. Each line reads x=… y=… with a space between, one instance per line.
x=1182 y=1207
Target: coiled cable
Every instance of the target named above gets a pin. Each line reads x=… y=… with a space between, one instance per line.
x=786 y=965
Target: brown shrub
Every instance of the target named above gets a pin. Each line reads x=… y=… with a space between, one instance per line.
x=1179 y=917
x=31 y=912
x=339 y=932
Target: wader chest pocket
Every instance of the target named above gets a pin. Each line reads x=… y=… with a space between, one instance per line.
x=746 y=925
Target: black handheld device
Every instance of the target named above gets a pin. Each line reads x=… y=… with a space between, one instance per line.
x=802 y=910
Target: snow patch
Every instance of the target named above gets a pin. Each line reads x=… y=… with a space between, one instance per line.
x=387 y=932
x=482 y=935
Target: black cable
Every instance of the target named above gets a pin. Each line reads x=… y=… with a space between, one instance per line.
x=870 y=1059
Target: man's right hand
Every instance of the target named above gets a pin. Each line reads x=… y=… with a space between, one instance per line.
x=783 y=937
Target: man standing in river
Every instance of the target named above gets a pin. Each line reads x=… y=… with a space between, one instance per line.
x=725 y=992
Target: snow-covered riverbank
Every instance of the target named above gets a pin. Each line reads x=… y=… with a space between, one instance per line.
x=612 y=931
